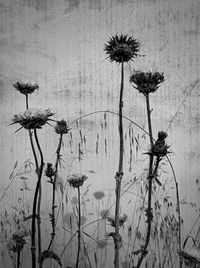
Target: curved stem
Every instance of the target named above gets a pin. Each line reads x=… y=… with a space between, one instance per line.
x=54 y=192
x=40 y=192
x=33 y=248
x=150 y=178
x=33 y=229
x=79 y=228
x=31 y=139
x=119 y=174
x=110 y=112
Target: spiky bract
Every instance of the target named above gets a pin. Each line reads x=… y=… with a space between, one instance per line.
x=122 y=48
x=25 y=88
x=146 y=82
x=32 y=118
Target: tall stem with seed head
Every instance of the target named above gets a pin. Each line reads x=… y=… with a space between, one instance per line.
x=54 y=192
x=119 y=175
x=79 y=227
x=37 y=189
x=33 y=248
x=150 y=178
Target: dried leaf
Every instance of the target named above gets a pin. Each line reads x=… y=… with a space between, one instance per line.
x=15 y=164
x=95 y=258
x=30 y=217
x=11 y=175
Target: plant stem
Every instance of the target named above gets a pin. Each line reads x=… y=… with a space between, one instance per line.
x=26 y=101
x=33 y=249
x=79 y=228
x=31 y=139
x=150 y=178
x=149 y=120
x=119 y=175
x=18 y=258
x=54 y=192
x=39 y=194
x=179 y=224
x=178 y=210
x=39 y=173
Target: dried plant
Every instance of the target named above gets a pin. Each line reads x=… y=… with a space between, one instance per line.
x=120 y=49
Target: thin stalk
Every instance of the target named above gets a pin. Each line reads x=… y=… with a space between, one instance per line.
x=26 y=101
x=33 y=248
x=33 y=229
x=40 y=192
x=178 y=211
x=119 y=175
x=179 y=224
x=54 y=192
x=18 y=258
x=79 y=228
x=31 y=139
x=150 y=178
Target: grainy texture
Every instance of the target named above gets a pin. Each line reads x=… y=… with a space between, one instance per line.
x=59 y=45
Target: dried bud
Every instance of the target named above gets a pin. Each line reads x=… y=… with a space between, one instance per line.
x=77 y=180
x=146 y=82
x=61 y=127
x=49 y=172
x=25 y=88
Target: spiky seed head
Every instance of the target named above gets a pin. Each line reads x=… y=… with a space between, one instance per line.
x=160 y=148
x=49 y=172
x=122 y=220
x=77 y=180
x=162 y=135
x=146 y=82
x=122 y=48
x=32 y=118
x=25 y=88
x=61 y=127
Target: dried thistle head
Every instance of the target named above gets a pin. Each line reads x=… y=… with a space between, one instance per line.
x=160 y=148
x=49 y=172
x=146 y=82
x=122 y=220
x=162 y=135
x=77 y=180
x=61 y=127
x=121 y=48
x=25 y=88
x=17 y=243
x=32 y=118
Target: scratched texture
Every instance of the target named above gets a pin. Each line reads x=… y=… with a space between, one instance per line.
x=59 y=44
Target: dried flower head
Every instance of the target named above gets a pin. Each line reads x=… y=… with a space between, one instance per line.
x=17 y=243
x=61 y=127
x=162 y=135
x=77 y=180
x=122 y=220
x=25 y=88
x=49 y=172
x=122 y=48
x=160 y=148
x=32 y=118
x=146 y=82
